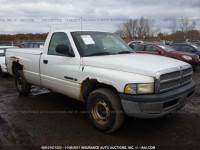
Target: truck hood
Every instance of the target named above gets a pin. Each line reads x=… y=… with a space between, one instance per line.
x=143 y=64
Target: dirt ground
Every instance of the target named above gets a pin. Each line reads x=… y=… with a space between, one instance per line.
x=45 y=118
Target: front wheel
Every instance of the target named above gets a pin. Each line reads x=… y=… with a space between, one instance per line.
x=104 y=110
x=23 y=87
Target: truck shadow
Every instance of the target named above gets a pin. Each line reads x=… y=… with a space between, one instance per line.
x=54 y=102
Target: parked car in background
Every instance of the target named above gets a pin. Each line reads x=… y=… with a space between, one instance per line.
x=194 y=41
x=34 y=45
x=162 y=42
x=179 y=41
x=21 y=45
x=3 y=69
x=187 y=47
x=164 y=50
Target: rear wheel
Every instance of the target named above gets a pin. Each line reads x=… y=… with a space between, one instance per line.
x=105 y=110
x=23 y=87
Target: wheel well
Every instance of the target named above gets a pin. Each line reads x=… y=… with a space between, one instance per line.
x=89 y=85
x=16 y=66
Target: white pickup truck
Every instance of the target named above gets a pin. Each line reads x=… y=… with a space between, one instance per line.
x=99 y=68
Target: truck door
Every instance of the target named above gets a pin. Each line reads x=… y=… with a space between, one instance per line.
x=59 y=72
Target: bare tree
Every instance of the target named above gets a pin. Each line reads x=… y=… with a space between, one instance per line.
x=134 y=27
x=130 y=27
x=154 y=32
x=186 y=25
x=141 y=27
x=173 y=26
x=193 y=25
x=137 y=28
x=144 y=27
x=121 y=31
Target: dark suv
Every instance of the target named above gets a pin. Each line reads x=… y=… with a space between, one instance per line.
x=187 y=47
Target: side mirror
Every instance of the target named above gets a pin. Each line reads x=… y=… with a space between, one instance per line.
x=159 y=51
x=64 y=50
x=193 y=50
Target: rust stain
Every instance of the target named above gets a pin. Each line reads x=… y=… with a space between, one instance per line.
x=15 y=60
x=86 y=84
x=81 y=96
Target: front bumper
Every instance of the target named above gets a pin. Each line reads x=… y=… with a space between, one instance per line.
x=157 y=105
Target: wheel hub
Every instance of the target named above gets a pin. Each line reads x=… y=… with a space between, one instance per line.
x=19 y=83
x=100 y=112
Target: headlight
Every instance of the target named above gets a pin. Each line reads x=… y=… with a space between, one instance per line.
x=187 y=57
x=141 y=88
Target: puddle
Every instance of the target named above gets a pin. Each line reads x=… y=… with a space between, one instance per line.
x=38 y=91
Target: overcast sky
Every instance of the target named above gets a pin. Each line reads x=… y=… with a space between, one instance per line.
x=39 y=11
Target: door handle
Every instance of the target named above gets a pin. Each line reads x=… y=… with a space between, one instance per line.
x=45 y=61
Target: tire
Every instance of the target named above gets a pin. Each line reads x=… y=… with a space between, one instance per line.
x=1 y=73
x=104 y=110
x=23 y=87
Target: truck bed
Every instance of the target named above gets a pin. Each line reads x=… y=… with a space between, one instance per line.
x=30 y=58
x=34 y=51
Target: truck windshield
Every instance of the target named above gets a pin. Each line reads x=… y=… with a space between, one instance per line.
x=167 y=48
x=99 y=43
x=2 y=53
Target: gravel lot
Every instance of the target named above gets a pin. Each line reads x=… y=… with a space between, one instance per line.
x=45 y=118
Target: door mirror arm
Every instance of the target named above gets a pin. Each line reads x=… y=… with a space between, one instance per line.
x=63 y=49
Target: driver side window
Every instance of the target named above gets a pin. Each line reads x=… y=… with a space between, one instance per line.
x=151 y=48
x=57 y=39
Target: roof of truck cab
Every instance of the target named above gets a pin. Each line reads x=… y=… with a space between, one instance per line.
x=69 y=31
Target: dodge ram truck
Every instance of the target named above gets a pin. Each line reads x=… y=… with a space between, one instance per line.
x=101 y=70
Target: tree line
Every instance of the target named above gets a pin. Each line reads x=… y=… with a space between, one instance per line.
x=143 y=28
x=23 y=37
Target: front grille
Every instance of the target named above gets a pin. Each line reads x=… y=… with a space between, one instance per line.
x=168 y=85
x=170 y=75
x=186 y=79
x=173 y=78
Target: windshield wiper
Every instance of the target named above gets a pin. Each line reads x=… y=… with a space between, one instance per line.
x=99 y=54
x=125 y=52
